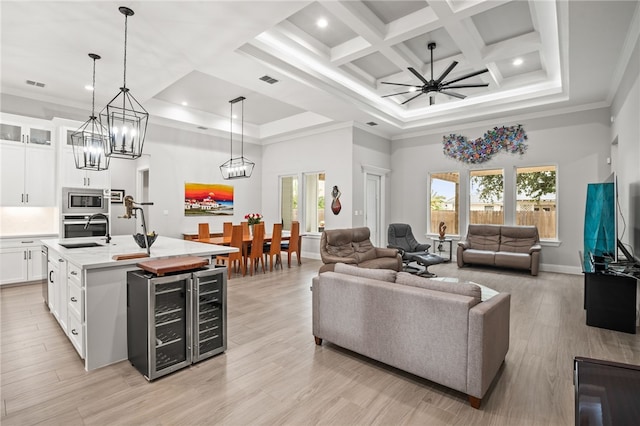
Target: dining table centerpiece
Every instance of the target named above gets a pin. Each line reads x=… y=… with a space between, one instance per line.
x=253 y=218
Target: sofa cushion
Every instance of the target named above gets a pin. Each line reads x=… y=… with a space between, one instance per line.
x=518 y=239
x=376 y=274
x=479 y=256
x=513 y=260
x=382 y=263
x=339 y=243
x=464 y=288
x=364 y=250
x=484 y=237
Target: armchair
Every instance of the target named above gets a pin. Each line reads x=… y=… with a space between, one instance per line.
x=400 y=237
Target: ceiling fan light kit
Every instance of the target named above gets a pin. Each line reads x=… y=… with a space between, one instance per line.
x=126 y=119
x=238 y=167
x=438 y=85
x=89 y=142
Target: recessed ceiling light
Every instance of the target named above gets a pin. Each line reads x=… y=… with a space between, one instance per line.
x=184 y=103
x=322 y=23
x=517 y=62
x=88 y=87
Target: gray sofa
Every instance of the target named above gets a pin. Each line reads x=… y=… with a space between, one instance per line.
x=437 y=330
x=500 y=245
x=353 y=246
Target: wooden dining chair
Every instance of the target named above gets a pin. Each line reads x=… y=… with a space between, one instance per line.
x=245 y=229
x=233 y=259
x=203 y=231
x=227 y=227
x=255 y=251
x=274 y=248
x=293 y=245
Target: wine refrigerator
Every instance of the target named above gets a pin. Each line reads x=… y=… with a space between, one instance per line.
x=175 y=320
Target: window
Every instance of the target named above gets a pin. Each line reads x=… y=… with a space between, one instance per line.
x=486 y=197
x=313 y=202
x=288 y=200
x=445 y=192
x=536 y=199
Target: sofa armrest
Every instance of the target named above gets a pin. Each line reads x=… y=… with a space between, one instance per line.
x=422 y=247
x=400 y=249
x=488 y=342
x=386 y=252
x=464 y=244
x=535 y=247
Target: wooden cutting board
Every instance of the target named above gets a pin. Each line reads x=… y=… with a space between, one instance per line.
x=174 y=264
x=129 y=256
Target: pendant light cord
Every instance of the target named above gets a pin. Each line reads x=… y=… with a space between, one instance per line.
x=231 y=131
x=242 y=130
x=124 y=84
x=93 y=95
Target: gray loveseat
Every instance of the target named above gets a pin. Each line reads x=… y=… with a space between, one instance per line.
x=501 y=245
x=437 y=330
x=353 y=246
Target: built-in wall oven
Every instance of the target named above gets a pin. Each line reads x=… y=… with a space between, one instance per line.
x=73 y=226
x=78 y=204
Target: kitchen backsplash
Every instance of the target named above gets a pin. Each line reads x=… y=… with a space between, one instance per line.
x=18 y=221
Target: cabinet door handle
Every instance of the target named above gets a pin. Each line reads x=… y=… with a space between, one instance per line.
x=74 y=332
x=29 y=255
x=60 y=260
x=73 y=299
x=74 y=273
x=22 y=201
x=50 y=279
x=26 y=242
x=27 y=136
x=88 y=181
x=24 y=253
x=27 y=198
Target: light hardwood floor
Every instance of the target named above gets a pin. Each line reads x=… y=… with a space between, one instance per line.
x=273 y=373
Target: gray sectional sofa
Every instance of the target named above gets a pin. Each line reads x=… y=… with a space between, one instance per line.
x=441 y=331
x=501 y=245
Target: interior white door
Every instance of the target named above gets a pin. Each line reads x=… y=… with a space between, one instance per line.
x=372 y=208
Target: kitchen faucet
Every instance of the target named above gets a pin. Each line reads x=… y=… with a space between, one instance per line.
x=131 y=211
x=93 y=216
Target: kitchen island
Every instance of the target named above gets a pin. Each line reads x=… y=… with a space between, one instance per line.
x=88 y=289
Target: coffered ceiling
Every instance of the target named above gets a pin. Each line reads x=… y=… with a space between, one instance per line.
x=186 y=60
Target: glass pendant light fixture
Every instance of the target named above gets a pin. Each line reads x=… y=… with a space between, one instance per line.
x=126 y=120
x=238 y=167
x=90 y=140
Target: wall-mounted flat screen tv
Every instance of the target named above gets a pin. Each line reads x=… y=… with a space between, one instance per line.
x=600 y=226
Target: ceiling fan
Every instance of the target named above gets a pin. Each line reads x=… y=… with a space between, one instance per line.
x=437 y=86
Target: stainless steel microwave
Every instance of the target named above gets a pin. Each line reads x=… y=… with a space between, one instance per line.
x=84 y=200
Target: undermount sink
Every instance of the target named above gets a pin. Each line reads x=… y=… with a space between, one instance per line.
x=80 y=245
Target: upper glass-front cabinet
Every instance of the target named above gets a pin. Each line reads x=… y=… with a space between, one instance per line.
x=26 y=132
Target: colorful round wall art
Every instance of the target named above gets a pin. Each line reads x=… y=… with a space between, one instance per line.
x=510 y=139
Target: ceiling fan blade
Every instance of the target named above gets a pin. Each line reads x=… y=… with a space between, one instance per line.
x=454 y=94
x=393 y=94
x=410 y=99
x=401 y=84
x=462 y=86
x=417 y=74
x=466 y=76
x=447 y=71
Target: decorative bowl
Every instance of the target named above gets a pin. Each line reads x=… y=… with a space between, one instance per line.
x=140 y=239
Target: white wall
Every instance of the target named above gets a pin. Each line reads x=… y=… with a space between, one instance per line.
x=578 y=143
x=178 y=156
x=626 y=131
x=328 y=151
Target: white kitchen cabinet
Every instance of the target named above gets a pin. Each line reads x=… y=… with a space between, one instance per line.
x=72 y=177
x=57 y=284
x=28 y=163
x=20 y=261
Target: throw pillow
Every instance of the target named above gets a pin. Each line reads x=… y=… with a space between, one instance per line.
x=464 y=289
x=387 y=275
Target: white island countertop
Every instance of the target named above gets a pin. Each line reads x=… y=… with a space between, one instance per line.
x=102 y=257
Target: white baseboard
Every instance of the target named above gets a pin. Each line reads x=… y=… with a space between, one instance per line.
x=561 y=269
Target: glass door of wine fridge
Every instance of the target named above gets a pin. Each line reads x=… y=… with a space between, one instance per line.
x=159 y=316
x=209 y=312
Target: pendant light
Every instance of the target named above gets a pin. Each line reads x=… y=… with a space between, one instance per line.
x=90 y=140
x=126 y=120
x=238 y=167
